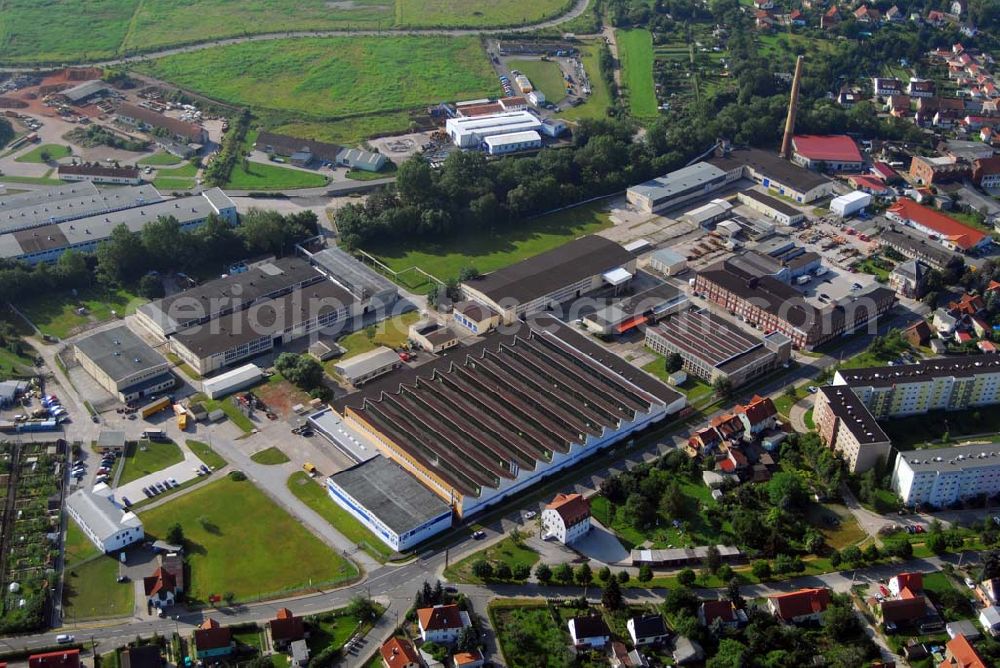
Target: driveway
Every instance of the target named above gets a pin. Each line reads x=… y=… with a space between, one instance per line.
x=603 y=546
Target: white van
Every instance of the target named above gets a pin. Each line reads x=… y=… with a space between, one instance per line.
x=64 y=638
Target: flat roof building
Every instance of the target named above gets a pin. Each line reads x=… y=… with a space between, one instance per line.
x=123 y=364
x=390 y=502
x=677 y=187
x=83 y=92
x=513 y=142
x=362 y=368
x=69 y=202
x=774 y=173
x=103 y=521
x=232 y=381
x=772 y=207
x=482 y=422
x=286 y=145
x=471 y=132
x=941 y=477
x=370 y=288
x=577 y=268
x=953 y=234
x=98 y=173
x=845 y=424
x=623 y=315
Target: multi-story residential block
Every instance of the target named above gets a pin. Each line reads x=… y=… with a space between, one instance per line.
x=844 y=424
x=944 y=476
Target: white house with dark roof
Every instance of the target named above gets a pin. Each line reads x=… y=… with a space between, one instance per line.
x=567 y=518
x=647 y=630
x=591 y=631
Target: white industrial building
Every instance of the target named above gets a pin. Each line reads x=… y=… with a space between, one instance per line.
x=667 y=262
x=943 y=476
x=708 y=214
x=513 y=142
x=470 y=132
x=104 y=522
x=849 y=204
x=366 y=366
x=677 y=187
x=123 y=364
x=232 y=381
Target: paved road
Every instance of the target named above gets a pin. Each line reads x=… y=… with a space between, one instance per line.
x=578 y=9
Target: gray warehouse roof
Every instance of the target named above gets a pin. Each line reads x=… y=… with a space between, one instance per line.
x=547 y=272
x=391 y=494
x=70 y=203
x=85 y=90
x=362 y=281
x=366 y=363
x=54 y=194
x=100 y=513
x=679 y=181
x=119 y=352
x=955 y=458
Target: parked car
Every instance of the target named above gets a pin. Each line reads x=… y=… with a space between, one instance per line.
x=479 y=535
x=813 y=389
x=64 y=638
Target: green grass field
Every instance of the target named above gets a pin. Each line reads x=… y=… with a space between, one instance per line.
x=78 y=547
x=161 y=160
x=270 y=457
x=487 y=252
x=54 y=151
x=347 y=131
x=56 y=30
x=32 y=180
x=635 y=47
x=168 y=184
x=227 y=518
x=145 y=457
x=313 y=495
x=260 y=176
x=458 y=13
x=597 y=104
x=391 y=332
x=56 y=314
x=544 y=75
x=90 y=591
x=504 y=552
x=335 y=77
x=206 y=454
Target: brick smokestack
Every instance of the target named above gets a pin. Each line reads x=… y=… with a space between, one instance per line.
x=793 y=108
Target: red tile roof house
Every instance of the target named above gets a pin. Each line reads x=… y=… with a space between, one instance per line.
x=967 y=305
x=959 y=653
x=723 y=610
x=399 y=653
x=758 y=415
x=160 y=588
x=912 y=581
x=804 y=605
x=67 y=658
x=442 y=623
x=591 y=631
x=952 y=233
x=213 y=642
x=286 y=628
x=567 y=518
x=837 y=153
x=472 y=659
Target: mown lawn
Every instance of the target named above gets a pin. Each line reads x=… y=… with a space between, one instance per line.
x=161 y=160
x=635 y=47
x=486 y=251
x=54 y=152
x=260 y=176
x=206 y=454
x=314 y=495
x=55 y=313
x=545 y=76
x=228 y=518
x=77 y=547
x=474 y=13
x=392 y=333
x=90 y=590
x=596 y=106
x=503 y=552
x=145 y=457
x=270 y=457
x=323 y=78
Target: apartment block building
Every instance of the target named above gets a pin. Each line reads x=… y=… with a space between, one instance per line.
x=941 y=477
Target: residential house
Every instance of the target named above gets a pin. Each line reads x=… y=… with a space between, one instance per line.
x=399 y=653
x=285 y=628
x=902 y=612
x=757 y=416
x=986 y=347
x=213 y=642
x=886 y=87
x=967 y=305
x=160 y=588
x=894 y=14
x=647 y=630
x=921 y=88
x=567 y=518
x=986 y=172
x=909 y=279
x=442 y=623
x=912 y=581
x=796 y=18
x=989 y=618
x=64 y=658
x=468 y=659
x=797 y=607
x=722 y=610
x=898 y=106
x=918 y=334
x=944 y=322
x=142 y=656
x=959 y=653
x=988 y=592
x=705 y=440
x=590 y=631
x=763 y=4
x=830 y=19
x=867 y=14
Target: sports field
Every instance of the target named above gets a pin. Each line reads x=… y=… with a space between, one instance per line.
x=635 y=47
x=58 y=31
x=336 y=76
x=460 y=13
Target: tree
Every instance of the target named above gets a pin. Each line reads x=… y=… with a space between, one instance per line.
x=645 y=573
x=624 y=577
x=361 y=607
x=840 y=621
x=603 y=574
x=731 y=654
x=482 y=569
x=835 y=559
x=503 y=571
x=725 y=572
x=611 y=597
x=872 y=553
x=686 y=577
x=522 y=571
x=673 y=502
x=734 y=595
x=563 y=573
x=151 y=287
x=467 y=640
x=852 y=555
x=674 y=362
x=583 y=575
x=936 y=543
x=543 y=572
x=713 y=560
x=786 y=490
x=761 y=569
x=301 y=370
x=638 y=511
x=175 y=534
x=723 y=387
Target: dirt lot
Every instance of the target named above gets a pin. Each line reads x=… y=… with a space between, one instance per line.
x=280 y=396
